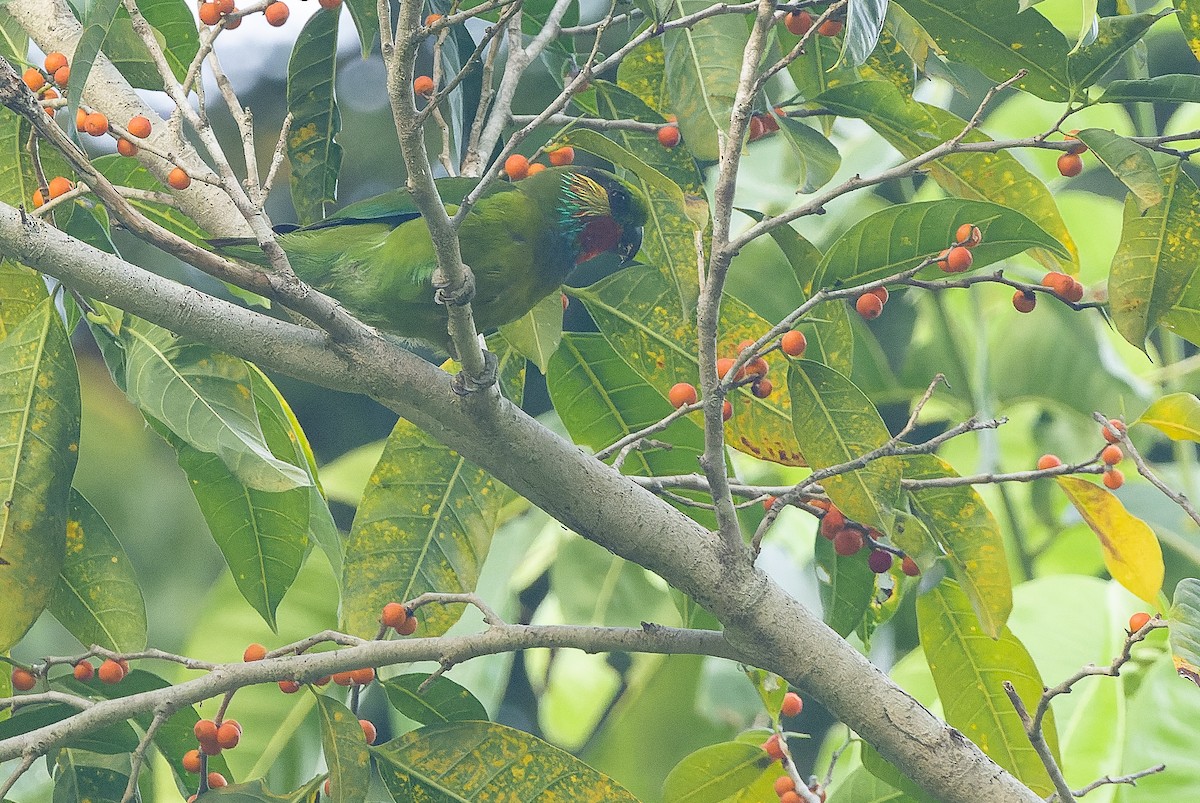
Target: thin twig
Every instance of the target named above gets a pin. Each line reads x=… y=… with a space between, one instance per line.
x=1131 y=779
x=1145 y=470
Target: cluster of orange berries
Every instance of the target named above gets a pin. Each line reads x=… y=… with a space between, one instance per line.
x=276 y=13
x=517 y=166
x=785 y=785
x=870 y=304
x=1110 y=456
x=1070 y=164
x=57 y=71
x=957 y=258
x=850 y=537
x=110 y=672
x=801 y=22
x=1065 y=287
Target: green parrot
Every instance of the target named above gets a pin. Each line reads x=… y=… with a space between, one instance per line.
x=520 y=241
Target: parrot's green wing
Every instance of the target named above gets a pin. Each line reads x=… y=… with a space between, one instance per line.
x=397 y=206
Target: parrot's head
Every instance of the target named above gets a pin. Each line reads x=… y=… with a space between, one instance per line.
x=601 y=212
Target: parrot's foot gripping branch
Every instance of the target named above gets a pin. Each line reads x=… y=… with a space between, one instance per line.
x=453 y=297
x=464 y=384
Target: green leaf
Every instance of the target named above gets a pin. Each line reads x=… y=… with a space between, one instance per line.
x=836 y=423
x=39 y=443
x=83 y=776
x=1131 y=163
x=668 y=241
x=1189 y=21
x=703 y=63
x=889 y=62
x=202 y=396
x=1185 y=629
x=817 y=70
x=1116 y=36
x=914 y=128
x=595 y=587
x=899 y=237
x=968 y=668
x=97 y=597
x=1161 y=89
x=713 y=773
x=315 y=158
x=992 y=37
x=1176 y=415
x=1156 y=258
x=99 y=18
x=965 y=530
x=365 y=14
x=481 y=761
x=864 y=23
x=21 y=291
x=847 y=586
x=114 y=739
x=442 y=700
x=346 y=750
x=425 y=523
x=256 y=791
x=637 y=312
x=14 y=42
x=1131 y=551
x=819 y=159
x=642 y=73
x=536 y=334
x=860 y=786
x=172 y=20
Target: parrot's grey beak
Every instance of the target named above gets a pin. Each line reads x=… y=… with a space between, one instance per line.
x=630 y=244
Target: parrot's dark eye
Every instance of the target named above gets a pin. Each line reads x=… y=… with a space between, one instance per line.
x=618 y=202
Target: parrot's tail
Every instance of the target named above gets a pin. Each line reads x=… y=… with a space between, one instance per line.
x=242 y=248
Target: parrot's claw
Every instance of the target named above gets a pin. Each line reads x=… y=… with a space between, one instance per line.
x=464 y=384
x=453 y=297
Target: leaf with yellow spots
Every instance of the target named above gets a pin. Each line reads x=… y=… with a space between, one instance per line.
x=21 y=290
x=1189 y=21
x=425 y=523
x=97 y=597
x=1132 y=554
x=1185 y=629
x=969 y=668
x=346 y=751
x=913 y=128
x=641 y=73
x=39 y=437
x=638 y=312
x=315 y=157
x=964 y=529
x=469 y=761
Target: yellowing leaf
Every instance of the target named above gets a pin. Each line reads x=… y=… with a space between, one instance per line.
x=1185 y=629
x=1131 y=551
x=1177 y=416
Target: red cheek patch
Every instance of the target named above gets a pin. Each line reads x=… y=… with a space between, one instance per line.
x=599 y=235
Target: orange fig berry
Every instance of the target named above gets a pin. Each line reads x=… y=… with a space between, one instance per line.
x=1077 y=147
x=790 y=797
x=792 y=705
x=343 y=678
x=762 y=388
x=23 y=679
x=723 y=366
x=832 y=523
x=232 y=22
x=516 y=166
x=1074 y=293
x=1138 y=621
x=757 y=367
x=368 y=730
x=362 y=677
x=955 y=259
x=774 y=747
x=138 y=126
x=881 y=293
x=682 y=393
x=1060 y=283
x=830 y=27
x=784 y=784
x=1048 y=461
x=1024 y=301
x=225 y=6
x=793 y=343
x=668 y=136
x=968 y=235
x=80 y=119
x=191 y=761
x=205 y=730
x=83 y=671
x=254 y=652
x=1113 y=479
x=33 y=79
x=726 y=410
x=1070 y=165
x=179 y=179
x=849 y=541
x=1113 y=423
x=561 y=157
x=38 y=198
x=289 y=686
x=536 y=168
x=768 y=502
x=62 y=75
x=330 y=4
x=111 y=672
x=276 y=13
x=210 y=14
x=96 y=124
x=393 y=615
x=210 y=748
x=410 y=625
x=431 y=19
x=1111 y=455
x=798 y=22
x=423 y=85
x=756 y=129
x=910 y=567
x=228 y=735
x=869 y=306
x=55 y=61
x=59 y=186
x=215 y=779
x=126 y=148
